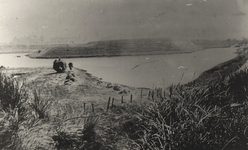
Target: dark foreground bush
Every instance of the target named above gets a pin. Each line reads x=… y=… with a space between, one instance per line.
x=18 y=110
x=75 y=129
x=210 y=117
x=13 y=95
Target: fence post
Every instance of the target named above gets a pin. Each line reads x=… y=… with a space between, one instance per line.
x=131 y=98
x=162 y=93
x=141 y=94
x=93 y=107
x=149 y=94
x=152 y=94
x=108 y=103
x=122 y=99
x=84 y=107
x=113 y=102
x=157 y=92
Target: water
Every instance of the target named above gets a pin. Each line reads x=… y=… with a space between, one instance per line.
x=137 y=71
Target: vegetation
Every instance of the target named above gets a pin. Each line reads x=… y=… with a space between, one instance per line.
x=75 y=129
x=40 y=104
x=209 y=117
x=13 y=97
x=220 y=71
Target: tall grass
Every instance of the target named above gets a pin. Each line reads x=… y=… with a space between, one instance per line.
x=238 y=86
x=75 y=129
x=17 y=105
x=40 y=103
x=25 y=109
x=210 y=117
x=13 y=95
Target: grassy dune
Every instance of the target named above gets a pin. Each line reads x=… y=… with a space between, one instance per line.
x=223 y=70
x=130 y=47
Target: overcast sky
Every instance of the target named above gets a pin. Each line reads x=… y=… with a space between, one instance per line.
x=116 y=19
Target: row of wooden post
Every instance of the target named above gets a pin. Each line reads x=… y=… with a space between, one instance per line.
x=122 y=101
x=109 y=100
x=92 y=107
x=157 y=92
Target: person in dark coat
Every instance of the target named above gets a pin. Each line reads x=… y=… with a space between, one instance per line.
x=70 y=65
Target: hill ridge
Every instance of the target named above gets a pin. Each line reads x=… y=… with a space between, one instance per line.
x=129 y=47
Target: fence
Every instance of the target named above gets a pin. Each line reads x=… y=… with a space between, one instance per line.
x=157 y=93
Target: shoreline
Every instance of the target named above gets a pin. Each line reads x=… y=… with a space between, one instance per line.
x=122 y=55
x=100 y=56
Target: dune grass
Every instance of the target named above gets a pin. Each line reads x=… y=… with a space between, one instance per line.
x=33 y=120
x=205 y=117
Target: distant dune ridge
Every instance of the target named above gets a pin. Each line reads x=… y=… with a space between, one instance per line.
x=125 y=47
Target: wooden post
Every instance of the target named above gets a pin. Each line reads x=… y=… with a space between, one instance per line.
x=93 y=107
x=113 y=102
x=152 y=94
x=84 y=107
x=159 y=95
x=157 y=92
x=122 y=99
x=108 y=103
x=141 y=94
x=131 y=98
x=162 y=93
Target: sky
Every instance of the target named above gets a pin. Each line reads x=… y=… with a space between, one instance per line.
x=94 y=20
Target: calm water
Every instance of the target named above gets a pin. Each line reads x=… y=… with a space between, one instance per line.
x=137 y=71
